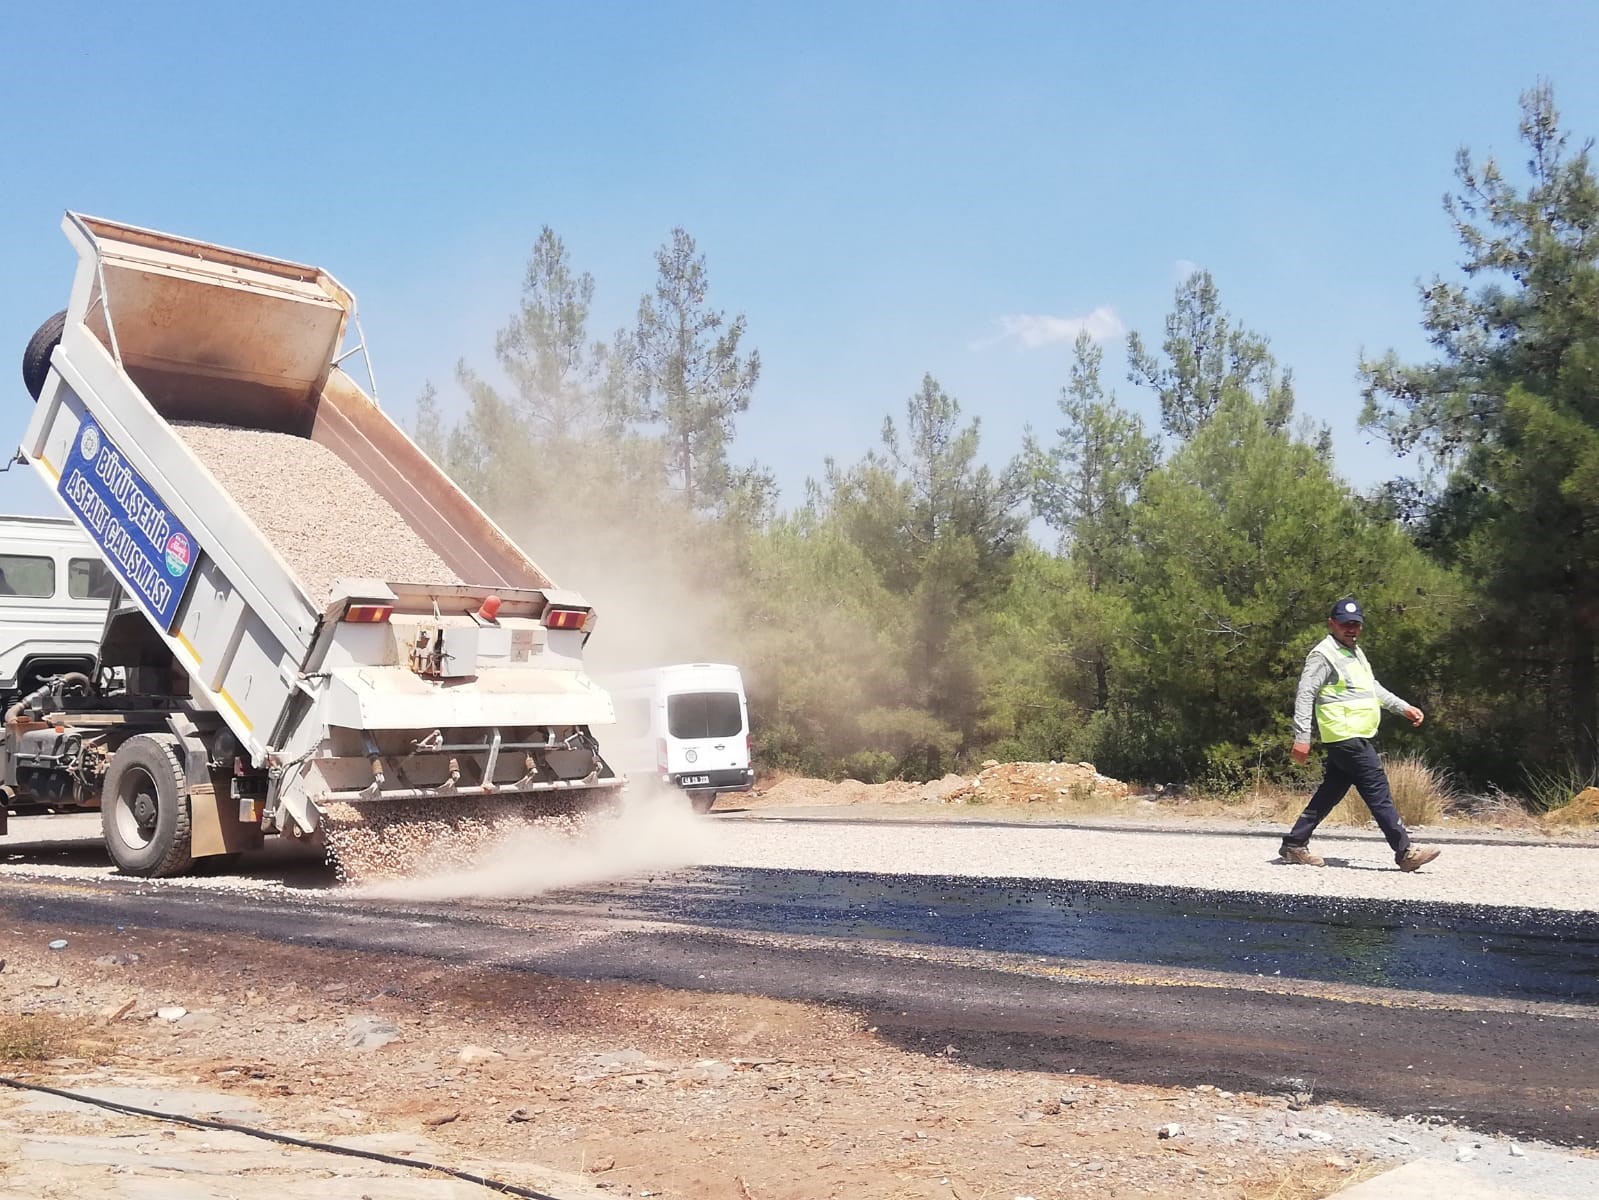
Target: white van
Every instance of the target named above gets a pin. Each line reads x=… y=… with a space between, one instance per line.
x=54 y=591
x=682 y=726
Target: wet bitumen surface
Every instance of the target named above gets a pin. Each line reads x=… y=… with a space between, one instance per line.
x=1443 y=948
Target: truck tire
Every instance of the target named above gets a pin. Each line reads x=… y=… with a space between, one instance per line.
x=702 y=802
x=144 y=808
x=36 y=358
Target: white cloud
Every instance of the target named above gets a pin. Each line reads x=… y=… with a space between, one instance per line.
x=1034 y=330
x=1183 y=268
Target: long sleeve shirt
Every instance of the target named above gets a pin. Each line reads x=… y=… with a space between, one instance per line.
x=1317 y=672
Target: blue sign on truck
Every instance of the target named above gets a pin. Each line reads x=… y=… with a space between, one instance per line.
x=146 y=546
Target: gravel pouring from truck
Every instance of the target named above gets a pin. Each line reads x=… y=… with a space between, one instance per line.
x=317 y=630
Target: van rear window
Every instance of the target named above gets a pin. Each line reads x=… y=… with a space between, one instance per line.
x=27 y=575
x=704 y=715
x=89 y=579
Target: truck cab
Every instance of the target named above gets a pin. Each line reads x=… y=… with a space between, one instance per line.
x=54 y=589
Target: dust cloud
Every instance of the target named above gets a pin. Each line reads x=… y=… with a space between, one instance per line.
x=649 y=568
x=649 y=832
x=653 y=585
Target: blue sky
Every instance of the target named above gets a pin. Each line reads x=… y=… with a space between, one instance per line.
x=884 y=190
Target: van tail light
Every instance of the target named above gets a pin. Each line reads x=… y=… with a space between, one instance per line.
x=749 y=751
x=565 y=618
x=369 y=614
x=660 y=755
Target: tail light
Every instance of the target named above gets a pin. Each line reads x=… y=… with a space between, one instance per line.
x=369 y=614
x=660 y=755
x=749 y=751
x=565 y=618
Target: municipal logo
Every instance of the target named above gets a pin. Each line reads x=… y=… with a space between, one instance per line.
x=180 y=552
x=89 y=443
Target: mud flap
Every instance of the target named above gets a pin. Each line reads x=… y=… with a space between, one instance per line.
x=214 y=824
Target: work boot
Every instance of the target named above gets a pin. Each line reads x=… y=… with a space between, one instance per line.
x=1300 y=856
x=1415 y=858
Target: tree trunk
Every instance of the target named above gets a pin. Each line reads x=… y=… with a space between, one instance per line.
x=1584 y=693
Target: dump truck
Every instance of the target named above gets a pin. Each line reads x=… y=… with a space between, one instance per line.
x=314 y=632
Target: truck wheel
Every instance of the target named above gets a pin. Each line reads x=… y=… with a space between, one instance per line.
x=702 y=801
x=36 y=358
x=144 y=811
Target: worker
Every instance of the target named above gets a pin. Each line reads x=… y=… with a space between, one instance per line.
x=1338 y=686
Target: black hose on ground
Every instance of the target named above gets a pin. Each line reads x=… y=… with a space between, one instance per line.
x=506 y=1189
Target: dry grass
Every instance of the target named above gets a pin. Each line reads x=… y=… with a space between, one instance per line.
x=1423 y=795
x=1500 y=810
x=1266 y=801
x=1311 y=1183
x=30 y=1039
x=1077 y=802
x=1081 y=800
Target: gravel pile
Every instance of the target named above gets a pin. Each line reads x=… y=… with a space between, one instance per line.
x=322 y=518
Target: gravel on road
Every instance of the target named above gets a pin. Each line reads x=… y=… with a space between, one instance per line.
x=1358 y=866
x=1562 y=878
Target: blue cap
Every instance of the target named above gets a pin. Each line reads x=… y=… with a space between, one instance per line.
x=1348 y=609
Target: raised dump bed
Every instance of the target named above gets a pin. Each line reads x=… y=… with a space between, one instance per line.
x=361 y=630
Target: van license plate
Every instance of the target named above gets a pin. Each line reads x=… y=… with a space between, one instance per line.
x=694 y=780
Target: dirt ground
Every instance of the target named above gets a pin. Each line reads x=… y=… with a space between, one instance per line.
x=637 y=1091
x=642 y=1091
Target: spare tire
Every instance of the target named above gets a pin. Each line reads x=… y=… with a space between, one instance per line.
x=36 y=358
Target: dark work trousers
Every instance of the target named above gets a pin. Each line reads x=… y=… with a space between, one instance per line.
x=1354 y=762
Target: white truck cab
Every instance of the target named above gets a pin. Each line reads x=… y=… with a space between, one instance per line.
x=53 y=594
x=683 y=726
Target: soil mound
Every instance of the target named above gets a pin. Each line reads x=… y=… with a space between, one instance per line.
x=1583 y=809
x=996 y=783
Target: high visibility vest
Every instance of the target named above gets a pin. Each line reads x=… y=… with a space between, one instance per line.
x=1346 y=705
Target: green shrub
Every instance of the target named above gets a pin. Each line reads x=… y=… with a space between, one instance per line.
x=869 y=766
x=1550 y=788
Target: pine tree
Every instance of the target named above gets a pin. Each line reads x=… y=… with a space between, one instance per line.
x=1507 y=421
